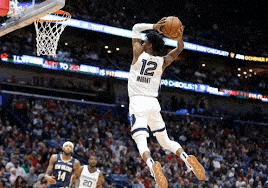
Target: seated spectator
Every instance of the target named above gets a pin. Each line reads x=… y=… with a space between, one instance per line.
x=137 y=184
x=12 y=163
x=13 y=175
x=20 y=182
x=31 y=177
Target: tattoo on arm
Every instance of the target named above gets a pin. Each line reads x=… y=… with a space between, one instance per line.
x=178 y=49
x=49 y=171
x=173 y=54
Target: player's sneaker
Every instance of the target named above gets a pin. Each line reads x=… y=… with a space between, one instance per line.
x=159 y=176
x=196 y=167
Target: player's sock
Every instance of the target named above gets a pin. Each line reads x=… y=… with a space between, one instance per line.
x=183 y=156
x=150 y=163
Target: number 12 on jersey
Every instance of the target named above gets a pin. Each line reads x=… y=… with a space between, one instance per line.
x=148 y=67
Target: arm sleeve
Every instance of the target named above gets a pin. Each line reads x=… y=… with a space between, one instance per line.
x=138 y=28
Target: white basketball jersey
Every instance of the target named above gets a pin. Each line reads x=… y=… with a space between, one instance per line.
x=145 y=76
x=88 y=179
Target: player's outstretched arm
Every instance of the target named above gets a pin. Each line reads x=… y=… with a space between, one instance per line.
x=173 y=54
x=48 y=175
x=137 y=37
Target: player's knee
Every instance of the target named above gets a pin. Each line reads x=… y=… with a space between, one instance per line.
x=166 y=143
x=163 y=139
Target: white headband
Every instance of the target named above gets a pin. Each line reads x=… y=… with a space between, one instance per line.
x=68 y=143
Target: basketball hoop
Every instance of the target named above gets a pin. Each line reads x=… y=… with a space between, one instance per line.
x=48 y=31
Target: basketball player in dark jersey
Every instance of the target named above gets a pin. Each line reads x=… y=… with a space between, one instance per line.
x=61 y=167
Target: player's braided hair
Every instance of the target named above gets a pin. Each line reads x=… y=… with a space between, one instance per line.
x=156 y=40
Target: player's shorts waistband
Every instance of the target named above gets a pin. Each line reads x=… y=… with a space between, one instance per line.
x=141 y=96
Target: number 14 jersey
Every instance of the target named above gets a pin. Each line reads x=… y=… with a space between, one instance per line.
x=145 y=76
x=63 y=171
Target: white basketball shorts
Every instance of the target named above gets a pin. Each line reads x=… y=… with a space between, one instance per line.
x=143 y=112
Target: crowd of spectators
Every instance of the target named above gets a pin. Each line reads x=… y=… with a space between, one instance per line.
x=205 y=22
x=219 y=79
x=31 y=129
x=126 y=13
x=108 y=91
x=62 y=83
x=182 y=71
x=201 y=20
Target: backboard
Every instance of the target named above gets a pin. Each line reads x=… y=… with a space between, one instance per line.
x=28 y=14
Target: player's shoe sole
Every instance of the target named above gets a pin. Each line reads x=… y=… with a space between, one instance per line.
x=197 y=168
x=159 y=176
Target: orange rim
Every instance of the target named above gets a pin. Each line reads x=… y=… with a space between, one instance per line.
x=65 y=16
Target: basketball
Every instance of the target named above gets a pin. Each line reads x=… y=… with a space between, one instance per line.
x=172 y=28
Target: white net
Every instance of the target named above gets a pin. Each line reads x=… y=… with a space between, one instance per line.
x=48 y=33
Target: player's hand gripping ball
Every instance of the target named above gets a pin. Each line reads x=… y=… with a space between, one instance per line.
x=172 y=28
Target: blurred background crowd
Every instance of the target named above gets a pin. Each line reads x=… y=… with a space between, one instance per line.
x=227 y=24
x=205 y=21
x=31 y=129
x=231 y=142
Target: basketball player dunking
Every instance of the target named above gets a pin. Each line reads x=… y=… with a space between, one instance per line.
x=61 y=167
x=89 y=175
x=144 y=109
